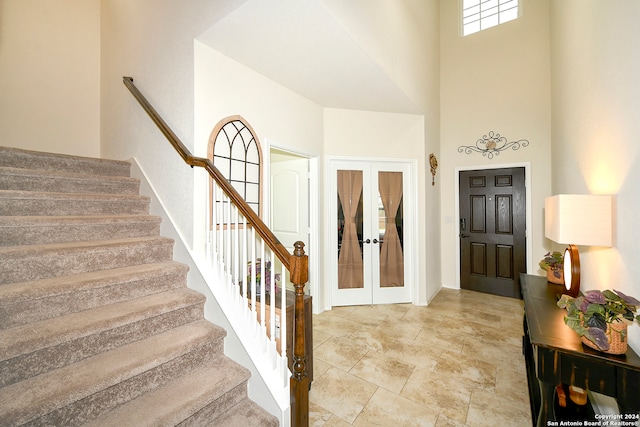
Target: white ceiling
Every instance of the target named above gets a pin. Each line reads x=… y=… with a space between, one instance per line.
x=298 y=44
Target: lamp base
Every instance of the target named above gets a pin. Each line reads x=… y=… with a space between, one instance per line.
x=572 y=271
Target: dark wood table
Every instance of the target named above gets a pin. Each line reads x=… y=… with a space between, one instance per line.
x=555 y=355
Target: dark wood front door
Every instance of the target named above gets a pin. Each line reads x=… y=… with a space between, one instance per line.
x=492 y=230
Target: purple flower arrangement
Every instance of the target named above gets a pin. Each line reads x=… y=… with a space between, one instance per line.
x=257 y=274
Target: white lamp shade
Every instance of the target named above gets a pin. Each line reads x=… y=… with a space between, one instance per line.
x=578 y=219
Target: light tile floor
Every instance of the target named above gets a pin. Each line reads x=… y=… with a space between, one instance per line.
x=456 y=362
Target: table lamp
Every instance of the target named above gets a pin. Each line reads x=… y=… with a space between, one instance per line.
x=577 y=219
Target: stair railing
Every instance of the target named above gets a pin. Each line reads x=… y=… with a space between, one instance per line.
x=229 y=215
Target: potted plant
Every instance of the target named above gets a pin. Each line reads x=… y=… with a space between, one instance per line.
x=553 y=264
x=600 y=318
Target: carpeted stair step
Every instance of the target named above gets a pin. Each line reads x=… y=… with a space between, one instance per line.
x=96 y=320
x=35 y=203
x=26 y=302
x=25 y=263
x=65 y=182
x=41 y=230
x=16 y=157
x=77 y=393
x=32 y=349
x=246 y=413
x=199 y=398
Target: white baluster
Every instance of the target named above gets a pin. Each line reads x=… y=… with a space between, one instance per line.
x=272 y=299
x=283 y=314
x=220 y=227
x=252 y=282
x=263 y=299
x=227 y=251
x=245 y=249
x=207 y=217
x=236 y=254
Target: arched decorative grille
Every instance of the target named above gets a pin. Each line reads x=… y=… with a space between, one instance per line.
x=236 y=152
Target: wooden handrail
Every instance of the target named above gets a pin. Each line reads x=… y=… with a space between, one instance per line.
x=263 y=231
x=297 y=263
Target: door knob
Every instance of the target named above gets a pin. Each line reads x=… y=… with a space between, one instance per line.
x=375 y=240
x=463 y=228
x=368 y=241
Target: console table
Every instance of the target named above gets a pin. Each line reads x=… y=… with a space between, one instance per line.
x=555 y=355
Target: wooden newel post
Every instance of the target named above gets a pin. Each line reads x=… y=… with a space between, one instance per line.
x=299 y=382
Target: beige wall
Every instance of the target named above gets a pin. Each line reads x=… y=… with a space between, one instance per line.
x=152 y=41
x=370 y=134
x=596 y=127
x=409 y=56
x=495 y=80
x=430 y=42
x=224 y=88
x=50 y=75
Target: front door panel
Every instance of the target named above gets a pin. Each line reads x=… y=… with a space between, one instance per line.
x=492 y=230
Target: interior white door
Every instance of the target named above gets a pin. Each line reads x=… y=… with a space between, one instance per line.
x=372 y=218
x=289 y=200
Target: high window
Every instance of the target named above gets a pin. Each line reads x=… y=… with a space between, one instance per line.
x=236 y=152
x=478 y=15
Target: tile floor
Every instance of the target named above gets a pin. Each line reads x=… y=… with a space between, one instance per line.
x=457 y=362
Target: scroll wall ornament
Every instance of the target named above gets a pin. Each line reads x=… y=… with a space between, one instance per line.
x=492 y=144
x=433 y=162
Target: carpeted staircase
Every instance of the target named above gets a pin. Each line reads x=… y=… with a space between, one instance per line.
x=97 y=325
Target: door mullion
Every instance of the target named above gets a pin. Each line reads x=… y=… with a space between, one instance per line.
x=373 y=253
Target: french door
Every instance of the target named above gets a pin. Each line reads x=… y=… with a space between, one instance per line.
x=372 y=232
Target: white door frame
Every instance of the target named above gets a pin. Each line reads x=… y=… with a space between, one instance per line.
x=312 y=248
x=527 y=184
x=330 y=239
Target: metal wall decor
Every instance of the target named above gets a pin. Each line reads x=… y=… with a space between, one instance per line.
x=433 y=162
x=492 y=144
